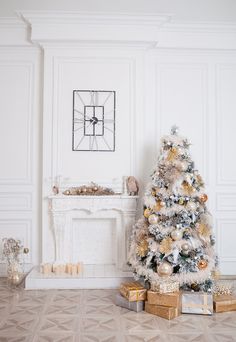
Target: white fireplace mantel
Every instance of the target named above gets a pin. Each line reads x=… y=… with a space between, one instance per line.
x=67 y=209
x=96 y=227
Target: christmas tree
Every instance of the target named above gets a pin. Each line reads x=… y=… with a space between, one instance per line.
x=174 y=240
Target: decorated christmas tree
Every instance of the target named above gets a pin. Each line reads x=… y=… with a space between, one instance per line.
x=174 y=240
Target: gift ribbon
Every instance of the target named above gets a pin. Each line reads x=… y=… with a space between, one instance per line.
x=206 y=308
x=133 y=287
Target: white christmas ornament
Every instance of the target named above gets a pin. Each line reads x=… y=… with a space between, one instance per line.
x=153 y=219
x=176 y=234
x=164 y=269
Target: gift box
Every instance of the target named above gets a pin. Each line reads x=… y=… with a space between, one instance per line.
x=224 y=303
x=165 y=299
x=136 y=306
x=197 y=303
x=133 y=291
x=165 y=286
x=162 y=311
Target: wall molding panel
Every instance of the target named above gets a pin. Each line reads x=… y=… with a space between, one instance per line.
x=15 y=201
x=225 y=107
x=25 y=68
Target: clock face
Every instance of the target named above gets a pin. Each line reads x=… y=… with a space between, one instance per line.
x=93 y=120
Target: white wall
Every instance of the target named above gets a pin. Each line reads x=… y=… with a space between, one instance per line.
x=182 y=73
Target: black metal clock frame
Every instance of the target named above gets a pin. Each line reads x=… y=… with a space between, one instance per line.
x=93 y=120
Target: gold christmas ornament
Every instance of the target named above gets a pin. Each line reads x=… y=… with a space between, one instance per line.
x=172 y=154
x=202 y=264
x=216 y=274
x=164 y=269
x=188 y=188
x=166 y=245
x=147 y=212
x=142 y=248
x=26 y=250
x=181 y=201
x=176 y=234
x=203 y=198
x=195 y=287
x=153 y=219
x=203 y=230
x=159 y=204
x=199 y=180
x=92 y=189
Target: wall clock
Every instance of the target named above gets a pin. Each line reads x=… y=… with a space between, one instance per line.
x=93 y=120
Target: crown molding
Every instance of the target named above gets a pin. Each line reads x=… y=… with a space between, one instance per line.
x=155 y=31
x=13 y=32
x=96 y=18
x=57 y=26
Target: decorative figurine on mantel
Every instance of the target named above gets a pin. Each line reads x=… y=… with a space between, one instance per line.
x=132 y=186
x=89 y=190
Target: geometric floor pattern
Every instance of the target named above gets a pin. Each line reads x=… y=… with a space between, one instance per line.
x=92 y=316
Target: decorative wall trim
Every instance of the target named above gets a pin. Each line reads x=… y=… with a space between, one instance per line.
x=220 y=232
x=226 y=201
x=13 y=32
x=115 y=27
x=50 y=26
x=15 y=201
x=221 y=179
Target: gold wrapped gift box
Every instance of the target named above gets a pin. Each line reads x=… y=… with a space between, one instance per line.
x=162 y=311
x=133 y=291
x=172 y=299
x=224 y=303
x=197 y=303
x=165 y=286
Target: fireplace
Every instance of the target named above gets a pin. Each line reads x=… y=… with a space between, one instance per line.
x=94 y=230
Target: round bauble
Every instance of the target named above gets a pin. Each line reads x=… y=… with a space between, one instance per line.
x=147 y=212
x=195 y=287
x=191 y=206
x=153 y=219
x=181 y=201
x=164 y=269
x=176 y=234
x=26 y=250
x=185 y=246
x=202 y=264
x=203 y=198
